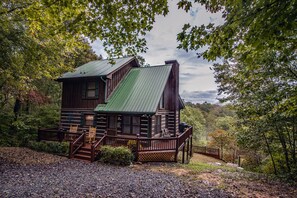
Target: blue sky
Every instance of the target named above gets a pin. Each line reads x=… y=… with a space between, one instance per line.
x=197 y=83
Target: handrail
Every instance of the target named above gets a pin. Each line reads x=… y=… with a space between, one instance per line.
x=95 y=145
x=72 y=144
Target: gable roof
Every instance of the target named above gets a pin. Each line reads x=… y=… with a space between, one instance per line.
x=139 y=92
x=96 y=68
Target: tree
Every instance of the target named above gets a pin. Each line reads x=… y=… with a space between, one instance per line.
x=264 y=95
x=121 y=25
x=250 y=28
x=194 y=118
x=257 y=44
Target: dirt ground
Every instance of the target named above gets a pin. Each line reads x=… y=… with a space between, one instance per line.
x=239 y=183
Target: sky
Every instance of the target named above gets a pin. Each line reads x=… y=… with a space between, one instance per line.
x=197 y=83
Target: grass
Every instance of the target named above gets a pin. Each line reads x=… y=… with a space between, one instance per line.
x=200 y=163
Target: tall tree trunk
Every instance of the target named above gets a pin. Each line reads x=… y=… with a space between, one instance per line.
x=270 y=153
x=284 y=146
x=16 y=108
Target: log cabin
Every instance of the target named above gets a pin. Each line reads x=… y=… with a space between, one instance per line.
x=123 y=98
x=122 y=103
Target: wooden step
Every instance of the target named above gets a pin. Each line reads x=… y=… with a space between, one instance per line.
x=84 y=152
x=82 y=156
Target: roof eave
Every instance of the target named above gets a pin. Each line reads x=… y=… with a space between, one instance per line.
x=125 y=112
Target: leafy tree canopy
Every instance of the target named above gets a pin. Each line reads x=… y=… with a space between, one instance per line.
x=250 y=28
x=121 y=25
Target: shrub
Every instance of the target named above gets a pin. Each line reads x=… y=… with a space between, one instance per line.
x=60 y=148
x=116 y=155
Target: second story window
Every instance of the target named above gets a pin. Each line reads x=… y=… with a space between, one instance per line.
x=90 y=90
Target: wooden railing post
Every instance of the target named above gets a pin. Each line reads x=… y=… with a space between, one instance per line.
x=38 y=136
x=84 y=138
x=104 y=140
x=183 y=157
x=137 y=148
x=176 y=148
x=219 y=153
x=191 y=146
x=188 y=148
x=92 y=152
x=60 y=135
x=71 y=150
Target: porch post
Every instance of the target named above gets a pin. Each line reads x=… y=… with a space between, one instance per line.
x=176 y=148
x=183 y=159
x=191 y=146
x=137 y=147
x=38 y=136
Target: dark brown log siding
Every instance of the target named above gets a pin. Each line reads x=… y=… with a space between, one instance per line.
x=72 y=94
x=115 y=78
x=75 y=116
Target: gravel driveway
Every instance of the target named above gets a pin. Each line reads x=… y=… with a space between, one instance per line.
x=71 y=178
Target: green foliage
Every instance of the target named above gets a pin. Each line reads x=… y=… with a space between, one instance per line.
x=60 y=148
x=194 y=117
x=121 y=25
x=20 y=132
x=226 y=141
x=116 y=155
x=250 y=28
x=257 y=43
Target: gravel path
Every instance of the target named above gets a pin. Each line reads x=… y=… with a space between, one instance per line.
x=71 y=178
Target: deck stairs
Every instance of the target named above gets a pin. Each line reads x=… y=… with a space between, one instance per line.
x=84 y=153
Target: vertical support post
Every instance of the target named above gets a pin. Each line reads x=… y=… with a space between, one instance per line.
x=183 y=158
x=239 y=160
x=188 y=148
x=137 y=148
x=219 y=153
x=84 y=138
x=60 y=135
x=70 y=150
x=191 y=146
x=92 y=153
x=176 y=148
x=38 y=136
x=104 y=140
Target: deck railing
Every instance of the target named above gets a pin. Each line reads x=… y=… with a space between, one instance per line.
x=76 y=145
x=138 y=145
x=56 y=134
x=95 y=147
x=51 y=134
x=212 y=152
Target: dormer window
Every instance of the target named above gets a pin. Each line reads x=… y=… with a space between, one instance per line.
x=90 y=90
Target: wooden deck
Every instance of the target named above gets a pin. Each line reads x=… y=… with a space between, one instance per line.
x=164 y=149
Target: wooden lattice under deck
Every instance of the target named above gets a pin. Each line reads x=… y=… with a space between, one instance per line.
x=157 y=156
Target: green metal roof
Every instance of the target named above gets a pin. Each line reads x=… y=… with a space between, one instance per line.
x=96 y=68
x=139 y=92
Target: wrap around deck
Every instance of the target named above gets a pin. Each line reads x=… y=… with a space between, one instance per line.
x=163 y=149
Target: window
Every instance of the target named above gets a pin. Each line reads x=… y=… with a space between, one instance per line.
x=89 y=119
x=131 y=125
x=90 y=90
x=112 y=122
